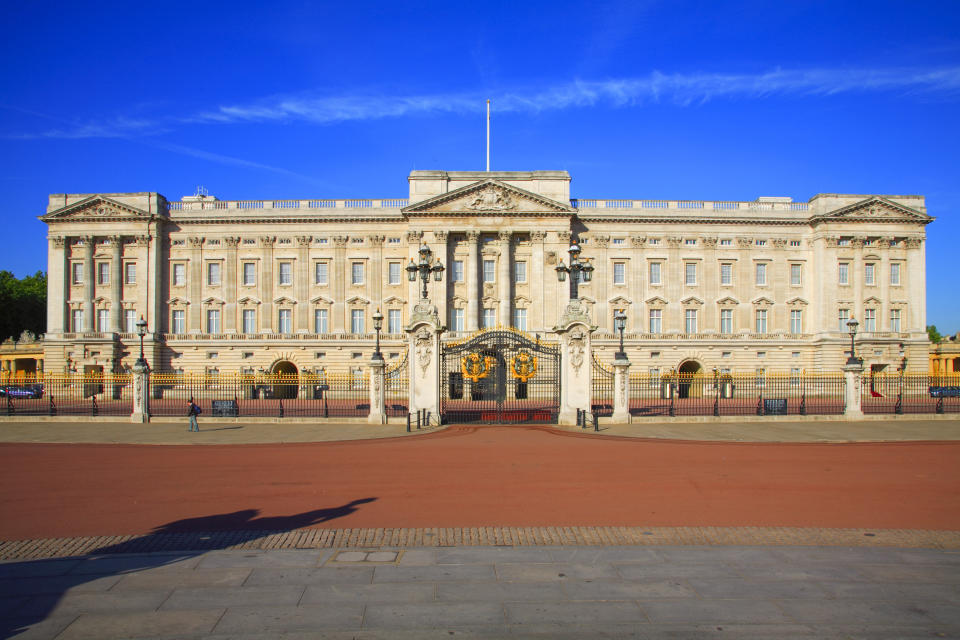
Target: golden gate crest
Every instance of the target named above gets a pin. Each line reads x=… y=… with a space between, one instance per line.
x=523 y=366
x=475 y=367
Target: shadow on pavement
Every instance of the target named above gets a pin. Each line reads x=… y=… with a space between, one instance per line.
x=31 y=591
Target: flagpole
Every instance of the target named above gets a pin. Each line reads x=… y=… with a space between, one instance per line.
x=488 y=136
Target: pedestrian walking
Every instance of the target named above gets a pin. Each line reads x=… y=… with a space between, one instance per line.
x=193 y=412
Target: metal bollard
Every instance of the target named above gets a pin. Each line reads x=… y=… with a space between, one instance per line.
x=596 y=422
x=408 y=422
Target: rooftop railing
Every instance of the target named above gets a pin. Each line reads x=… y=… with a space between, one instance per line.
x=221 y=205
x=679 y=205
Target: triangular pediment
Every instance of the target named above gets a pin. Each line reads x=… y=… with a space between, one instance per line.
x=798 y=301
x=212 y=300
x=728 y=300
x=656 y=301
x=691 y=300
x=248 y=300
x=394 y=300
x=97 y=208
x=284 y=300
x=761 y=301
x=321 y=300
x=620 y=300
x=358 y=300
x=874 y=209
x=489 y=197
x=872 y=300
x=177 y=301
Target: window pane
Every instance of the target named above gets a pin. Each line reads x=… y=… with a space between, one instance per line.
x=285 y=324
x=895 y=274
x=520 y=271
x=394 y=273
x=249 y=321
x=656 y=317
x=131 y=273
x=130 y=321
x=356 y=320
x=489 y=318
x=868 y=272
x=179 y=274
x=795 y=273
x=356 y=273
x=249 y=273
x=796 y=321
x=520 y=319
x=286 y=273
x=761 y=273
x=895 y=320
x=178 y=324
x=103 y=320
x=393 y=321
x=690 y=321
x=458 y=270
x=77 y=321
x=619 y=273
x=690 y=273
x=77 y=273
x=103 y=273
x=843 y=273
x=321 y=273
x=870 y=320
x=213 y=321
x=842 y=317
x=213 y=273
x=761 y=321
x=726 y=274
x=726 y=321
x=320 y=321
x=655 y=273
x=457 y=319
x=488 y=271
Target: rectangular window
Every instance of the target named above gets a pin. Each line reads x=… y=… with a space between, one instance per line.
x=489 y=318
x=655 y=268
x=76 y=269
x=520 y=319
x=178 y=322
x=725 y=242
x=656 y=320
x=895 y=320
x=796 y=321
x=103 y=273
x=520 y=272
x=842 y=317
x=690 y=273
x=761 y=320
x=249 y=273
x=761 y=273
x=726 y=321
x=321 y=273
x=690 y=321
x=320 y=321
x=457 y=270
x=489 y=271
x=76 y=321
x=796 y=274
x=393 y=321
x=103 y=320
x=619 y=273
x=456 y=319
x=130 y=321
x=726 y=273
x=356 y=321
x=843 y=273
x=130 y=273
x=868 y=273
x=394 y=269
x=179 y=274
x=895 y=274
x=213 y=274
x=689 y=242
x=249 y=321
x=356 y=273
x=285 y=321
x=286 y=273
x=869 y=319
x=213 y=321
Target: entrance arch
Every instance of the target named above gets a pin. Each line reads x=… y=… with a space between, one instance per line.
x=690 y=379
x=285 y=380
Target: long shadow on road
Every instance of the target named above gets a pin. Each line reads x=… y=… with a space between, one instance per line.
x=32 y=591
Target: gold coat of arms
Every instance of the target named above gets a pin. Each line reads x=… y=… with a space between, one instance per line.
x=476 y=367
x=523 y=366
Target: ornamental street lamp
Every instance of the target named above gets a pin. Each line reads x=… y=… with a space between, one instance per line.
x=425 y=267
x=898 y=409
x=577 y=269
x=620 y=324
x=141 y=331
x=377 y=325
x=852 y=325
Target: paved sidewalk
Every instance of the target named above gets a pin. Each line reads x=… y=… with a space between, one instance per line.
x=240 y=431
x=488 y=592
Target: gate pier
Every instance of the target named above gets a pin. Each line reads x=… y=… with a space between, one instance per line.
x=576 y=357
x=423 y=344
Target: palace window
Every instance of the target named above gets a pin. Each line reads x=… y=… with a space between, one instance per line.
x=489 y=271
x=619 y=273
x=393 y=240
x=796 y=321
x=213 y=274
x=213 y=321
x=726 y=321
x=761 y=243
x=249 y=273
x=103 y=273
x=103 y=320
x=285 y=321
x=456 y=319
x=895 y=274
x=796 y=274
x=356 y=273
x=520 y=271
x=130 y=273
x=130 y=321
x=725 y=242
x=869 y=319
x=520 y=319
x=321 y=273
x=869 y=270
x=394 y=270
x=690 y=273
x=794 y=243
x=843 y=242
x=726 y=273
x=656 y=320
x=249 y=321
x=761 y=273
x=489 y=318
x=77 y=273
x=178 y=322
x=76 y=321
x=655 y=273
x=356 y=321
x=457 y=269
x=619 y=241
x=653 y=241
x=286 y=273
x=393 y=321
x=690 y=242
x=320 y=321
x=690 y=321
x=895 y=320
x=761 y=320
x=843 y=315
x=179 y=274
x=843 y=273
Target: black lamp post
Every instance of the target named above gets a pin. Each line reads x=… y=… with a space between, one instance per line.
x=898 y=409
x=577 y=266
x=377 y=325
x=425 y=267
x=620 y=324
x=141 y=331
x=852 y=325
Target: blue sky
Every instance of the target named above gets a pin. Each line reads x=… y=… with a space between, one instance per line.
x=673 y=100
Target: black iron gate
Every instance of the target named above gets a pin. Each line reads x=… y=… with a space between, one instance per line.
x=500 y=376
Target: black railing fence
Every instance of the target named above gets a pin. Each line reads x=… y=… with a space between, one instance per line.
x=397 y=389
x=602 y=383
x=910 y=393
x=68 y=394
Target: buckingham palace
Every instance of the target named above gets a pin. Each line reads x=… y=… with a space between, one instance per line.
x=288 y=286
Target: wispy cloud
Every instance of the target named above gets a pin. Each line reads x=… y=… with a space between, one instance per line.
x=678 y=89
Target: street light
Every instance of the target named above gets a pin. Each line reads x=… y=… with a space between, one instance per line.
x=852 y=325
x=377 y=325
x=898 y=409
x=141 y=331
x=576 y=268
x=425 y=267
x=620 y=324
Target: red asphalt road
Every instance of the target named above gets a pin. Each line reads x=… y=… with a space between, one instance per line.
x=474 y=476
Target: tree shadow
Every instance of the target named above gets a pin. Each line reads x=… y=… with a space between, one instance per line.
x=31 y=590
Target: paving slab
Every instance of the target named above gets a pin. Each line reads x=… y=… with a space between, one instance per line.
x=436 y=615
x=264 y=619
x=740 y=611
x=555 y=571
x=438 y=573
x=177 y=624
x=227 y=577
x=223 y=597
x=591 y=614
x=311 y=575
x=498 y=592
x=386 y=592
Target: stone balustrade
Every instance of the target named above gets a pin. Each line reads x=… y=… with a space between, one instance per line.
x=698 y=205
x=219 y=205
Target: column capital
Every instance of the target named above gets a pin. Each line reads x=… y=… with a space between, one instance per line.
x=473 y=236
x=638 y=242
x=504 y=236
x=711 y=243
x=231 y=241
x=413 y=236
x=195 y=242
x=376 y=240
x=116 y=241
x=142 y=241
x=59 y=242
x=538 y=236
x=601 y=241
x=87 y=241
x=564 y=236
x=441 y=236
x=267 y=241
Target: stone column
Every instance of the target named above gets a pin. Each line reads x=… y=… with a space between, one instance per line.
x=339 y=284
x=116 y=284
x=621 y=391
x=89 y=321
x=638 y=321
x=195 y=286
x=302 y=323
x=852 y=379
x=503 y=279
x=230 y=292
x=267 y=284
x=146 y=274
x=536 y=278
x=375 y=281
x=58 y=286
x=440 y=294
x=378 y=397
x=471 y=271
x=601 y=280
x=423 y=344
x=141 y=393
x=576 y=366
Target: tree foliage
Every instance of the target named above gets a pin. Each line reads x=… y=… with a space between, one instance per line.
x=23 y=304
x=933 y=334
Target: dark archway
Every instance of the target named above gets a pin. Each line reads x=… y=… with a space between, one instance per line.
x=285 y=380
x=690 y=379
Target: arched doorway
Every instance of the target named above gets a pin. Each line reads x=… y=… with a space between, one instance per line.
x=690 y=379
x=285 y=380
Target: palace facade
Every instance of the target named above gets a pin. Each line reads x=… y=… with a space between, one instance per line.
x=291 y=285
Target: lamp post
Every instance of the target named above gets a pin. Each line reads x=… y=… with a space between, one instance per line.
x=903 y=366
x=852 y=325
x=142 y=331
x=377 y=325
x=620 y=324
x=425 y=267
x=577 y=267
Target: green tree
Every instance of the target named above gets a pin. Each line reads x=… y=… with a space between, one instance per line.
x=933 y=334
x=23 y=304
